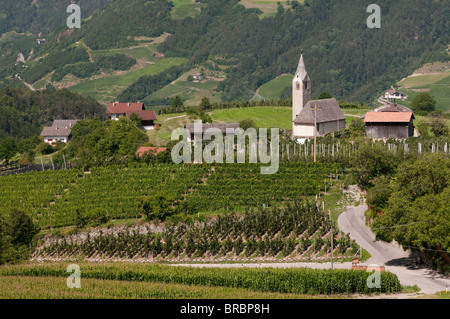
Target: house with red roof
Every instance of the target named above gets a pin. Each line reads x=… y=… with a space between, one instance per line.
x=117 y=110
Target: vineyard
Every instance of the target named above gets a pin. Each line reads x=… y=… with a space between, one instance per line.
x=58 y=198
x=300 y=231
x=294 y=280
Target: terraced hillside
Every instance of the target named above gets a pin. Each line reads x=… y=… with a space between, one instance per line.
x=432 y=78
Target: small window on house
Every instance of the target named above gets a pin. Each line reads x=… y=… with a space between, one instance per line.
x=297 y=85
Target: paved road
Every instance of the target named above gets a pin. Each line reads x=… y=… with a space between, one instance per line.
x=392 y=256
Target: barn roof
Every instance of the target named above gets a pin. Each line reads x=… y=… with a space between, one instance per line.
x=120 y=108
x=388 y=117
x=144 y=114
x=328 y=111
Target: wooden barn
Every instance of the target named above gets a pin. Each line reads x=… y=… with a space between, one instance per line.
x=383 y=125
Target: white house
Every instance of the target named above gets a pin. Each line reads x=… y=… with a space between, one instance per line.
x=198 y=77
x=392 y=94
x=61 y=130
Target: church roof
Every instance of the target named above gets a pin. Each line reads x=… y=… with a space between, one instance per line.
x=328 y=111
x=301 y=69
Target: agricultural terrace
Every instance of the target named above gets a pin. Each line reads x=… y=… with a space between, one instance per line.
x=266 y=280
x=58 y=198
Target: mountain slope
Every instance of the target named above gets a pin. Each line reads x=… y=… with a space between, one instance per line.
x=343 y=56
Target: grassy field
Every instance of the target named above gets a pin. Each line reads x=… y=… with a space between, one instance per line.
x=268 y=7
x=185 y=8
x=274 y=88
x=106 y=89
x=266 y=116
x=190 y=92
x=263 y=116
x=437 y=85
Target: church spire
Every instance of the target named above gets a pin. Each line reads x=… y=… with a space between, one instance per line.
x=301 y=69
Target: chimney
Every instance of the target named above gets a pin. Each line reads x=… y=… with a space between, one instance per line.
x=128 y=104
x=56 y=127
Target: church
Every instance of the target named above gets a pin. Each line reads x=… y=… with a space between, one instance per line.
x=325 y=114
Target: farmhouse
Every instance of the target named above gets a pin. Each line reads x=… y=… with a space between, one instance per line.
x=392 y=94
x=61 y=130
x=117 y=110
x=198 y=77
x=312 y=117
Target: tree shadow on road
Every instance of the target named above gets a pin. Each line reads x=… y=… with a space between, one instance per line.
x=408 y=262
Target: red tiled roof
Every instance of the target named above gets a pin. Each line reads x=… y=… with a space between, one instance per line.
x=388 y=117
x=155 y=150
x=144 y=114
x=120 y=108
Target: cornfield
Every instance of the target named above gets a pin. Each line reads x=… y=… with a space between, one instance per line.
x=276 y=280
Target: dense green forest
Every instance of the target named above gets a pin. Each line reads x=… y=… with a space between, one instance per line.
x=87 y=69
x=53 y=61
x=407 y=195
x=25 y=112
x=42 y=16
x=343 y=56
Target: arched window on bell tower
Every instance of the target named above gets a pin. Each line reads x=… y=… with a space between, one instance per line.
x=297 y=85
x=306 y=85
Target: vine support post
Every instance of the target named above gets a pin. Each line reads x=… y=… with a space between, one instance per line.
x=331 y=233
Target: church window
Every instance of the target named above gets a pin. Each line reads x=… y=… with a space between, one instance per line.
x=306 y=85
x=297 y=85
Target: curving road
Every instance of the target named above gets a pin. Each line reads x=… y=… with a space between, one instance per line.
x=390 y=255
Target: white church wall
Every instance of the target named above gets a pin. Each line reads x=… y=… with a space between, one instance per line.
x=303 y=130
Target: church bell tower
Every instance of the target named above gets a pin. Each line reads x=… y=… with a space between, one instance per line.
x=301 y=88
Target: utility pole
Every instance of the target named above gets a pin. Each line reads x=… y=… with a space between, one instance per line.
x=329 y=213
x=315 y=128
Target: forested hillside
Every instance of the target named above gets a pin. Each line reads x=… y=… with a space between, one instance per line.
x=343 y=56
x=23 y=113
x=41 y=16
